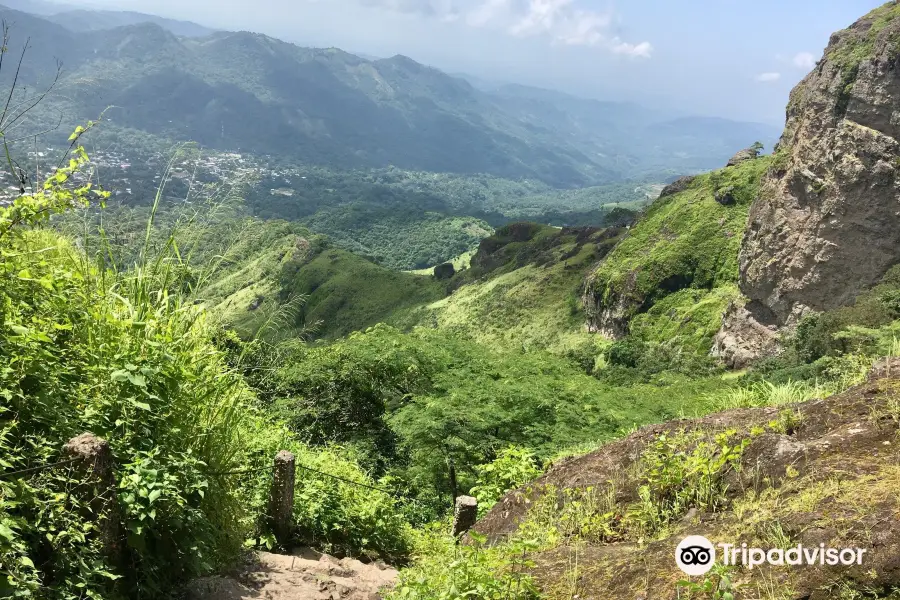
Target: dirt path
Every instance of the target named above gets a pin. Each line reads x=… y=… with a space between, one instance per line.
x=307 y=575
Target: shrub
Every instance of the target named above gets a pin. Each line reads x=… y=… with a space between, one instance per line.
x=126 y=356
x=513 y=468
x=444 y=570
x=574 y=515
x=682 y=471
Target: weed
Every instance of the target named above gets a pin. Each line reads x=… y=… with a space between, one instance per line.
x=680 y=472
x=589 y=514
x=717 y=585
x=771 y=534
x=766 y=393
x=788 y=422
x=447 y=571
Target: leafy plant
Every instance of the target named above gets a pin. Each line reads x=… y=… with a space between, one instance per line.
x=684 y=471
x=128 y=356
x=444 y=570
x=717 y=585
x=513 y=467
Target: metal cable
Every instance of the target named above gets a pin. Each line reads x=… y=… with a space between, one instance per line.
x=240 y=471
x=350 y=481
x=41 y=468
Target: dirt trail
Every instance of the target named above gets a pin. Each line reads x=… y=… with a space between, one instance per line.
x=307 y=575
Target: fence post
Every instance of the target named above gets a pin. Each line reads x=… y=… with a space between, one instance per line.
x=465 y=514
x=94 y=460
x=281 y=498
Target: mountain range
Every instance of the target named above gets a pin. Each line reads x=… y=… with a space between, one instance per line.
x=249 y=92
x=81 y=20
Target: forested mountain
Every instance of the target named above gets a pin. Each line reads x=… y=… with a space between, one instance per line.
x=252 y=93
x=81 y=21
x=600 y=372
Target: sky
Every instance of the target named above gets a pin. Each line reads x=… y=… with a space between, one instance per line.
x=726 y=58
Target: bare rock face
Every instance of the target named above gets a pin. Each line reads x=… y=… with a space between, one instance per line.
x=826 y=224
x=742 y=156
x=677 y=186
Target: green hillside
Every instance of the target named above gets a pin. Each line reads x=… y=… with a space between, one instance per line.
x=252 y=93
x=423 y=288
x=523 y=289
x=345 y=293
x=680 y=262
x=276 y=280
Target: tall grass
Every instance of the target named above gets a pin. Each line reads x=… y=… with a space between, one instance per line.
x=845 y=372
x=124 y=351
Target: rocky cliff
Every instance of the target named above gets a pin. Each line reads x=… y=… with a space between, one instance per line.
x=826 y=223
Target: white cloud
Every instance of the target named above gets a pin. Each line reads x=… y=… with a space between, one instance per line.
x=768 y=77
x=562 y=21
x=805 y=60
x=644 y=49
x=431 y=8
x=488 y=11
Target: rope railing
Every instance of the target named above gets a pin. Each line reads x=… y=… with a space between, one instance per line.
x=37 y=469
x=351 y=482
x=95 y=457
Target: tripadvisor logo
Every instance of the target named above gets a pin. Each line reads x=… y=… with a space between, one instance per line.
x=696 y=555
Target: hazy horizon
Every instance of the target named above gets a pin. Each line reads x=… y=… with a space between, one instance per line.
x=717 y=58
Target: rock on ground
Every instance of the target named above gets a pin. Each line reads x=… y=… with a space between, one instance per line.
x=742 y=156
x=307 y=575
x=677 y=186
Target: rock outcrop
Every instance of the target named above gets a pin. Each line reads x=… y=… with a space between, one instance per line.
x=822 y=472
x=743 y=156
x=826 y=224
x=725 y=196
x=679 y=185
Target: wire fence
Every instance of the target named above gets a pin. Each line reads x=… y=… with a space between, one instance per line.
x=20 y=472
x=97 y=463
x=247 y=471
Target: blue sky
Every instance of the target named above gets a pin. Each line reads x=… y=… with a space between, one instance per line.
x=729 y=58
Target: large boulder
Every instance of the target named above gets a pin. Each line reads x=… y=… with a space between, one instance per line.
x=742 y=156
x=677 y=186
x=444 y=271
x=826 y=224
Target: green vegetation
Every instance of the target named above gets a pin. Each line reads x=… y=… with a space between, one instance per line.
x=827 y=334
x=412 y=220
x=446 y=571
x=127 y=356
x=522 y=289
x=857 y=45
x=687 y=241
x=203 y=332
x=402 y=242
x=513 y=468
x=682 y=472
x=428 y=407
x=691 y=316
x=345 y=293
x=674 y=473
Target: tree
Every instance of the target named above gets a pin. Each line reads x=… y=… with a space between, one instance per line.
x=757 y=147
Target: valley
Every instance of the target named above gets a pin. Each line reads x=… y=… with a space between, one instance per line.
x=610 y=326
